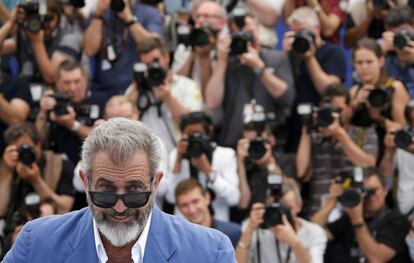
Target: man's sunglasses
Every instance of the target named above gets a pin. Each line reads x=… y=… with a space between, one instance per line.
x=131 y=200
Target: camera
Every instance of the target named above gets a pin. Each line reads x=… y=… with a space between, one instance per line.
x=27 y=154
x=32 y=205
x=75 y=3
x=156 y=74
x=257 y=148
x=88 y=113
x=139 y=76
x=35 y=15
x=117 y=5
x=303 y=41
x=324 y=117
x=353 y=188
x=273 y=212
x=239 y=42
x=198 y=144
x=201 y=36
x=62 y=103
x=403 y=38
x=404 y=137
x=380 y=96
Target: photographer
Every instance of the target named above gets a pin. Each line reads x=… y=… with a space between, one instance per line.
x=25 y=168
x=197 y=62
x=369 y=231
x=67 y=115
x=243 y=73
x=315 y=64
x=398 y=160
x=284 y=238
x=330 y=146
x=43 y=41
x=398 y=46
x=377 y=98
x=162 y=96
x=112 y=37
x=213 y=166
x=257 y=157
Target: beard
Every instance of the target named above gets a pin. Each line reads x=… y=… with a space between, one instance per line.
x=121 y=233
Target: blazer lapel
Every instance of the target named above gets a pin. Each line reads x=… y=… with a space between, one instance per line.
x=82 y=241
x=161 y=243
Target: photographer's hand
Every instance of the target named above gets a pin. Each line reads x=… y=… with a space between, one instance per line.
x=251 y=58
x=223 y=48
x=335 y=129
x=66 y=120
x=202 y=164
x=356 y=214
x=30 y=174
x=126 y=14
x=242 y=149
x=256 y=216
x=37 y=37
x=387 y=43
x=285 y=232
x=288 y=39
x=408 y=53
x=181 y=150
x=10 y=157
x=163 y=92
x=47 y=102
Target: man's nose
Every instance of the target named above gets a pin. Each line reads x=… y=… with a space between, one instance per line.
x=120 y=206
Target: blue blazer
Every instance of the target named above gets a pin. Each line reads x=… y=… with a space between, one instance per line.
x=69 y=238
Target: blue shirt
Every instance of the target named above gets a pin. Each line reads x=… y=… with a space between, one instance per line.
x=404 y=73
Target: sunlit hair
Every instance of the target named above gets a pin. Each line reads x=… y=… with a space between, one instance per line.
x=120 y=139
x=303 y=14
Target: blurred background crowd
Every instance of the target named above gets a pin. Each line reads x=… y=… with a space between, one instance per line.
x=286 y=124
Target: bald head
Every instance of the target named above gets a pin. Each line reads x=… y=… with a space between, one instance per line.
x=212 y=13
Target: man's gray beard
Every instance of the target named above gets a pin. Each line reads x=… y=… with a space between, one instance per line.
x=121 y=233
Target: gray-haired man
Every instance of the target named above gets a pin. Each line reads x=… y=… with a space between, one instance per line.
x=121 y=159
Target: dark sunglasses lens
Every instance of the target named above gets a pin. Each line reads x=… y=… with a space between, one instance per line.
x=103 y=200
x=136 y=200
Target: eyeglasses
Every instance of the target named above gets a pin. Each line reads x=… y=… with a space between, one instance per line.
x=131 y=200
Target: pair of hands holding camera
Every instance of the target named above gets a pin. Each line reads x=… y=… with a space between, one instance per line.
x=125 y=15
x=355 y=214
x=201 y=163
x=283 y=232
x=406 y=54
x=288 y=40
x=47 y=103
x=243 y=152
x=11 y=162
x=251 y=58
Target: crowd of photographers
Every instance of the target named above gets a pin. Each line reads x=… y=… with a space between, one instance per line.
x=268 y=145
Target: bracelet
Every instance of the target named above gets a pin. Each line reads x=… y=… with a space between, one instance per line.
x=243 y=245
x=131 y=22
x=75 y=127
x=358 y=226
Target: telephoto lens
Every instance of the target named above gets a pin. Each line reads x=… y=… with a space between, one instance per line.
x=403 y=38
x=379 y=96
x=303 y=41
x=27 y=154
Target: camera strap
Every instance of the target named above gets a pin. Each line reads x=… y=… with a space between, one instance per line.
x=279 y=256
x=112 y=48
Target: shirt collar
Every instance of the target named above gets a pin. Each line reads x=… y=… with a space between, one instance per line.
x=137 y=251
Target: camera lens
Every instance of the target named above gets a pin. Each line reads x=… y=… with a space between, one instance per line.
x=324 y=118
x=303 y=41
x=378 y=97
x=34 y=24
x=350 y=198
x=117 y=5
x=156 y=75
x=403 y=139
x=257 y=148
x=238 y=44
x=27 y=154
x=199 y=37
x=195 y=146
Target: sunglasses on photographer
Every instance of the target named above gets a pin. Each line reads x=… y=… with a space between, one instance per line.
x=131 y=200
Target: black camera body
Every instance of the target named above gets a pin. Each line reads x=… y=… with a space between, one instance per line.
x=87 y=113
x=34 y=16
x=303 y=41
x=75 y=3
x=27 y=154
x=257 y=148
x=324 y=117
x=403 y=38
x=117 y=5
x=404 y=137
x=353 y=188
x=380 y=96
x=198 y=144
x=273 y=216
x=239 y=43
x=156 y=74
x=201 y=36
x=63 y=100
x=140 y=70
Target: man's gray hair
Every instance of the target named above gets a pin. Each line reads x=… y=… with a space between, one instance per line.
x=288 y=186
x=304 y=14
x=121 y=138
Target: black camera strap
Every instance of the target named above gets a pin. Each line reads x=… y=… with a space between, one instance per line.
x=279 y=256
x=111 y=37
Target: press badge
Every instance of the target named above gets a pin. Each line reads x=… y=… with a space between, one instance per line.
x=36 y=90
x=105 y=65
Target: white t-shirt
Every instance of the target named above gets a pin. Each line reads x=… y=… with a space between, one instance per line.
x=404 y=162
x=311 y=235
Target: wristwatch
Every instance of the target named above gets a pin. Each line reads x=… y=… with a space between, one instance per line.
x=132 y=21
x=258 y=72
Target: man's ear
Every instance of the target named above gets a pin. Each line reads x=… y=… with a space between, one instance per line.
x=84 y=179
x=158 y=177
x=207 y=195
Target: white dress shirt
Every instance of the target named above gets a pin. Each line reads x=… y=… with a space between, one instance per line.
x=137 y=251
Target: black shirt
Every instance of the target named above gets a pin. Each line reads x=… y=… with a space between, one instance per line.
x=13 y=88
x=389 y=228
